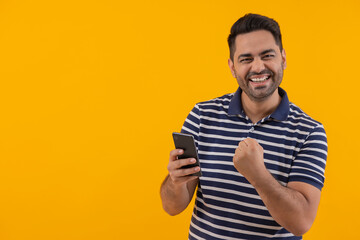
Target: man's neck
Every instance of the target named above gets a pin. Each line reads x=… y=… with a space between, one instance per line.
x=258 y=110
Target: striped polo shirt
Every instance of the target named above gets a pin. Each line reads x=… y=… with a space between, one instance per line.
x=227 y=206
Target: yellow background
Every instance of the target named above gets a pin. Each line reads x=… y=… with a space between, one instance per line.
x=90 y=92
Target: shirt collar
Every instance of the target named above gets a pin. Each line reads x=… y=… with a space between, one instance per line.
x=281 y=113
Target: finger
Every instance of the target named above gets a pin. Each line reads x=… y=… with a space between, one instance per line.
x=173 y=165
x=238 y=153
x=244 y=142
x=242 y=145
x=184 y=162
x=174 y=153
x=186 y=171
x=182 y=175
x=252 y=141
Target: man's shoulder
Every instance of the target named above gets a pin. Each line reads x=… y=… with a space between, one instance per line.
x=224 y=100
x=297 y=115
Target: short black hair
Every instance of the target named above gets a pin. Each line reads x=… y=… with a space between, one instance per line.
x=253 y=22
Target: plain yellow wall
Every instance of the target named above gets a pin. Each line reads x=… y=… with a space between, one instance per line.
x=90 y=92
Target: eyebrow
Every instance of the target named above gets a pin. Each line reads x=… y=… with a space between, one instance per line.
x=262 y=53
x=267 y=51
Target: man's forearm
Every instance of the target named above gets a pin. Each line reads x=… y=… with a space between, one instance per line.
x=288 y=206
x=294 y=207
x=174 y=198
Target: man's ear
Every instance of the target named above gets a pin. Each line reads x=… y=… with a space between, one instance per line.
x=231 y=66
x=283 y=56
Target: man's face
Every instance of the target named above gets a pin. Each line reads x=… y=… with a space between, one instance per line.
x=258 y=64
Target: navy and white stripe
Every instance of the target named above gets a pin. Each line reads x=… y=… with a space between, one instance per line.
x=227 y=206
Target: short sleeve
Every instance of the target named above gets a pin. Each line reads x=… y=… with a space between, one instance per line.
x=192 y=124
x=309 y=164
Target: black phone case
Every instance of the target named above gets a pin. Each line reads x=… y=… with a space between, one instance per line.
x=187 y=143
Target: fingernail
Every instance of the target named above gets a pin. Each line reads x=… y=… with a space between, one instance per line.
x=192 y=160
x=197 y=169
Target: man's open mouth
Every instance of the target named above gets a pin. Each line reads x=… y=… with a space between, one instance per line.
x=260 y=79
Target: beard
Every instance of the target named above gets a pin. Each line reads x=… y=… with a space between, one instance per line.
x=260 y=93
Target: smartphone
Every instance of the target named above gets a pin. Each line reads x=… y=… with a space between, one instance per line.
x=187 y=143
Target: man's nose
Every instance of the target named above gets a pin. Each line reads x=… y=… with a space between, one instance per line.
x=257 y=65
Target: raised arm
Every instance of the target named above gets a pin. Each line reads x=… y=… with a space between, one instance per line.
x=294 y=207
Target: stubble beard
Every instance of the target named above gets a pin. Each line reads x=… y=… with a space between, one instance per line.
x=255 y=95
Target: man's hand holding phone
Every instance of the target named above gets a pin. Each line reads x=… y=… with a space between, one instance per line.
x=179 y=186
x=178 y=171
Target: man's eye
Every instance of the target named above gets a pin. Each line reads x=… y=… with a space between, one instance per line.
x=245 y=60
x=268 y=56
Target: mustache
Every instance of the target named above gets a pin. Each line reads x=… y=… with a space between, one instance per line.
x=265 y=71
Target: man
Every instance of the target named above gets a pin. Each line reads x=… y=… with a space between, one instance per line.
x=262 y=158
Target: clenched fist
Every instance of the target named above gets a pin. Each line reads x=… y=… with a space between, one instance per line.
x=249 y=159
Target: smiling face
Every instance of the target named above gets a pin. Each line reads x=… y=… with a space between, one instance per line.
x=258 y=64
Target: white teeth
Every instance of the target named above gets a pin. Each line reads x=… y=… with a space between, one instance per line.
x=259 y=79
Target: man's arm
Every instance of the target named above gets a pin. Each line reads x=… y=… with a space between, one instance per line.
x=178 y=189
x=294 y=207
